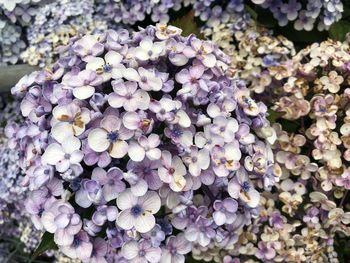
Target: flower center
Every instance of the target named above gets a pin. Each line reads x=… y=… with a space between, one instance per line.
x=223 y=160
x=136 y=210
x=111 y=182
x=248 y=101
x=245 y=186
x=107 y=68
x=146 y=170
x=76 y=242
x=142 y=253
x=112 y=136
x=176 y=132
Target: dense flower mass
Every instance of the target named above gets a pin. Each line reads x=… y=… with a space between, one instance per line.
x=314 y=154
x=131 y=12
x=54 y=24
x=317 y=92
x=231 y=14
x=141 y=148
x=14 y=222
x=305 y=14
x=11 y=44
x=258 y=57
x=42 y=26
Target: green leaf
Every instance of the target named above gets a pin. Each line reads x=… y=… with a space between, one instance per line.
x=46 y=243
x=188 y=25
x=338 y=30
x=274 y=115
x=252 y=12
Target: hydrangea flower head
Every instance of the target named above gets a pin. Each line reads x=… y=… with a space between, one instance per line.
x=126 y=140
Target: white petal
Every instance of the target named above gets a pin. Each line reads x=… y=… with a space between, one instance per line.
x=131 y=74
x=130 y=250
x=254 y=198
x=47 y=219
x=146 y=43
x=115 y=100
x=184 y=120
x=82 y=199
x=53 y=154
x=62 y=130
x=145 y=222
x=233 y=189
x=203 y=159
x=119 y=149
x=140 y=188
x=125 y=220
x=113 y=58
x=63 y=238
x=219 y=218
x=71 y=144
x=209 y=60
x=143 y=99
x=95 y=63
x=126 y=200
x=83 y=92
x=232 y=152
x=150 y=202
x=153 y=254
x=136 y=152
x=141 y=54
x=154 y=154
x=131 y=120
x=98 y=141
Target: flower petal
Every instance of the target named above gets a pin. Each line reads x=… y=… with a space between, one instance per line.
x=97 y=140
x=125 y=219
x=136 y=152
x=119 y=149
x=130 y=250
x=126 y=200
x=150 y=202
x=83 y=92
x=53 y=154
x=145 y=222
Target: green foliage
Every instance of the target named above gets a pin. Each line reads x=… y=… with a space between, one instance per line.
x=188 y=25
x=339 y=30
x=274 y=115
x=47 y=243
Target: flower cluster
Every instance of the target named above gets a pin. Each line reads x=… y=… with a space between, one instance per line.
x=305 y=14
x=228 y=15
x=318 y=93
x=132 y=12
x=141 y=148
x=15 y=16
x=14 y=221
x=261 y=59
x=11 y=5
x=314 y=154
x=11 y=44
x=303 y=231
x=54 y=24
